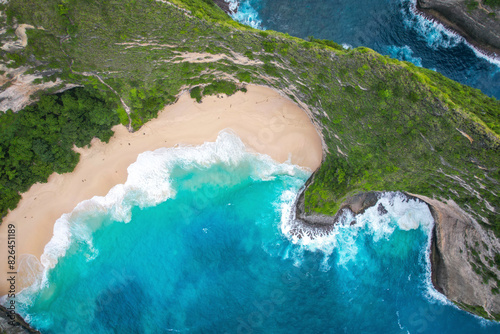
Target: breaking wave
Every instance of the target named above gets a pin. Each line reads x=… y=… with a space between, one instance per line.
x=149 y=183
x=436 y=34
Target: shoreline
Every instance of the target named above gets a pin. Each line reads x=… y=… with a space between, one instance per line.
x=460 y=24
x=451 y=275
x=266 y=121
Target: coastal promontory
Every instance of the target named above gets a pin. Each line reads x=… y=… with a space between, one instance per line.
x=477 y=21
x=385 y=125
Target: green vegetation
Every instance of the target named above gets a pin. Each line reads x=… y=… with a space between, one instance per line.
x=472 y=5
x=387 y=125
x=479 y=310
x=216 y=87
x=196 y=93
x=326 y=42
x=38 y=140
x=397 y=126
x=482 y=269
x=220 y=87
x=394 y=137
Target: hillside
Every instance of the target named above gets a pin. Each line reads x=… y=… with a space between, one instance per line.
x=387 y=125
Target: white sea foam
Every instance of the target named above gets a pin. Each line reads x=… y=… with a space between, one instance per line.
x=431 y=294
x=436 y=34
x=148 y=184
x=403 y=213
x=233 y=4
x=246 y=14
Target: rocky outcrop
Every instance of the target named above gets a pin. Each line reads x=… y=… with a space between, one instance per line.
x=14 y=326
x=465 y=257
x=225 y=6
x=18 y=86
x=316 y=224
x=478 y=23
x=465 y=260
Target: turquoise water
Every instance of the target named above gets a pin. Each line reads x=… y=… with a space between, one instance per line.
x=198 y=241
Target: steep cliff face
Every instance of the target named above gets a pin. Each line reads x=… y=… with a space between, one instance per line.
x=476 y=21
x=465 y=260
x=225 y=6
x=14 y=326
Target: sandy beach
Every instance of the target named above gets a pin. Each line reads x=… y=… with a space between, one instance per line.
x=266 y=122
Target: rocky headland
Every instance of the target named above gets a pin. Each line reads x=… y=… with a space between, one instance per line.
x=17 y=325
x=467 y=276
x=225 y=6
x=465 y=258
x=476 y=21
x=465 y=254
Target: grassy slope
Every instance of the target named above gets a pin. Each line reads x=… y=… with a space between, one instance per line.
x=388 y=125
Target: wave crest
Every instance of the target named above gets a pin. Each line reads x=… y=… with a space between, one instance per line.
x=393 y=211
x=149 y=183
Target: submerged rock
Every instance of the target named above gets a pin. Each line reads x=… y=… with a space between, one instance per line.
x=381 y=209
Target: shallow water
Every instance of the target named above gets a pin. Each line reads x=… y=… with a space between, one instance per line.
x=197 y=241
x=390 y=27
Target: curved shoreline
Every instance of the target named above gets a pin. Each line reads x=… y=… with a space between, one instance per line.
x=266 y=122
x=453 y=266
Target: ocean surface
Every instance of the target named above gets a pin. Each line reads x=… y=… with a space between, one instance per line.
x=197 y=241
x=390 y=27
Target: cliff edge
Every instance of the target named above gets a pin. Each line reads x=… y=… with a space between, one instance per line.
x=225 y=7
x=465 y=257
x=465 y=260
x=13 y=323
x=476 y=21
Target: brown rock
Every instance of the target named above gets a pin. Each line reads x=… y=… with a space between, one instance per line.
x=480 y=26
x=20 y=326
x=460 y=249
x=225 y=6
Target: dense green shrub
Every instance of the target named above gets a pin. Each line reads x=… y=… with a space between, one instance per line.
x=196 y=93
x=38 y=140
x=220 y=87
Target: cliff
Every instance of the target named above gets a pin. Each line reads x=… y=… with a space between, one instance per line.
x=477 y=22
x=467 y=276
x=465 y=258
x=225 y=6
x=19 y=326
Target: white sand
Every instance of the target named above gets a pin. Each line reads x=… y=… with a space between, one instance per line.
x=265 y=121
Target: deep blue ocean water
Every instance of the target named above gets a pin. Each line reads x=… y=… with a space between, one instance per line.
x=197 y=240
x=390 y=27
